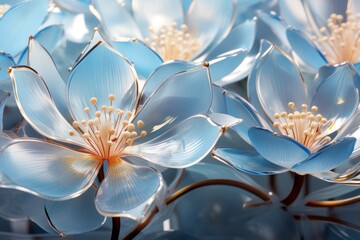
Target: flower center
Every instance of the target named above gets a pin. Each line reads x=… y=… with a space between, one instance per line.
x=305 y=127
x=109 y=131
x=172 y=43
x=3 y=9
x=340 y=41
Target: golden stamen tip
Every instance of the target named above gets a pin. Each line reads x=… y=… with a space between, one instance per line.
x=111 y=97
x=9 y=70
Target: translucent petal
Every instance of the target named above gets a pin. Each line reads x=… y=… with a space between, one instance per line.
x=128 y=190
x=323 y=73
x=184 y=145
x=38 y=108
x=224 y=120
x=47 y=170
x=210 y=21
x=74 y=6
x=280 y=150
x=145 y=60
x=75 y=216
x=305 y=49
x=6 y=61
x=327 y=158
x=336 y=97
x=4 y=96
x=278 y=82
x=321 y=10
x=157 y=14
x=241 y=37
x=115 y=19
x=330 y=192
x=351 y=129
x=294 y=14
x=229 y=103
x=102 y=72
x=175 y=100
x=95 y=39
x=19 y=22
x=38 y=55
x=161 y=74
x=265 y=47
x=273 y=28
x=50 y=37
x=249 y=162
x=224 y=64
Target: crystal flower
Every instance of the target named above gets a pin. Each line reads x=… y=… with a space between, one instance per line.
x=323 y=33
x=112 y=128
x=290 y=126
x=165 y=31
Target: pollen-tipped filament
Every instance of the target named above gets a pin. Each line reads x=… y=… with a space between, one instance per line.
x=173 y=43
x=340 y=40
x=110 y=130
x=306 y=127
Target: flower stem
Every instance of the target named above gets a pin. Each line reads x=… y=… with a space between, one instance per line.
x=191 y=187
x=334 y=203
x=116 y=222
x=298 y=183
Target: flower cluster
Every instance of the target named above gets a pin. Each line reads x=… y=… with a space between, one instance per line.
x=112 y=110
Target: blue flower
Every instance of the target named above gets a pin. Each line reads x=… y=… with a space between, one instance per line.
x=289 y=125
x=161 y=31
x=323 y=33
x=114 y=127
x=18 y=21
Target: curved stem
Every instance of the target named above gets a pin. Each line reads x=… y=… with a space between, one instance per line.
x=298 y=183
x=116 y=222
x=334 y=203
x=191 y=187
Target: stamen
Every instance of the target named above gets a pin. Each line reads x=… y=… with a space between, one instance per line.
x=303 y=126
x=108 y=132
x=172 y=43
x=340 y=41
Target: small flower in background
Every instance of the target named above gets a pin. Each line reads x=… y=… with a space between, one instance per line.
x=323 y=33
x=166 y=30
x=291 y=126
x=111 y=127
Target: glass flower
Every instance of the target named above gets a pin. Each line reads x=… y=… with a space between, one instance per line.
x=112 y=128
x=19 y=19
x=291 y=126
x=164 y=30
x=325 y=32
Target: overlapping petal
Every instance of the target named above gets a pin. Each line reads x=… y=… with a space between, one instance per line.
x=145 y=60
x=128 y=190
x=178 y=98
x=54 y=82
x=337 y=97
x=38 y=108
x=280 y=150
x=305 y=49
x=250 y=162
x=210 y=21
x=116 y=20
x=47 y=170
x=74 y=216
x=328 y=158
x=102 y=72
x=184 y=145
x=278 y=76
